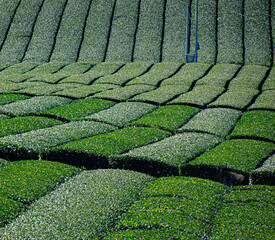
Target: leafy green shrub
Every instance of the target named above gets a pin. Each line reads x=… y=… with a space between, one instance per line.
x=33 y=105
x=256 y=124
x=44 y=32
x=96 y=31
x=199 y=96
x=20 y=30
x=238 y=98
x=250 y=76
x=85 y=91
x=123 y=31
x=149 y=33
x=96 y=150
x=187 y=74
x=7 y=87
x=3 y=116
x=219 y=75
x=175 y=27
x=78 y=109
x=126 y=73
x=76 y=68
x=269 y=83
x=169 y=117
x=218 y=121
x=9 y=98
x=264 y=101
x=162 y=94
x=2 y=162
x=71 y=27
x=18 y=68
x=240 y=155
x=168 y=155
x=265 y=174
x=99 y=70
x=122 y=113
x=49 y=78
x=92 y=201
x=257 y=33
x=124 y=93
x=29 y=144
x=24 y=124
x=17 y=77
x=158 y=72
x=46 y=68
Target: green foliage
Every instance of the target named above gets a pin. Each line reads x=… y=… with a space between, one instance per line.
x=33 y=105
x=169 y=117
x=199 y=96
x=257 y=33
x=78 y=109
x=238 y=98
x=250 y=76
x=18 y=68
x=238 y=154
x=218 y=121
x=126 y=73
x=269 y=83
x=219 y=75
x=256 y=124
x=230 y=35
x=24 y=124
x=162 y=94
x=9 y=98
x=46 y=68
x=264 y=101
x=122 y=113
x=187 y=74
x=124 y=93
x=92 y=201
x=158 y=72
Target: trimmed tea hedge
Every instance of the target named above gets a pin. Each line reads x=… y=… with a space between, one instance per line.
x=169 y=117
x=158 y=72
x=9 y=98
x=230 y=31
x=238 y=98
x=99 y=70
x=257 y=32
x=265 y=174
x=92 y=201
x=46 y=68
x=219 y=75
x=96 y=32
x=162 y=94
x=122 y=35
x=45 y=29
x=124 y=93
x=28 y=145
x=167 y=156
x=239 y=155
x=256 y=124
x=85 y=91
x=264 y=101
x=126 y=73
x=3 y=116
x=218 y=121
x=122 y=113
x=33 y=105
x=149 y=33
x=19 y=68
x=199 y=96
x=78 y=109
x=187 y=74
x=24 y=124
x=94 y=152
x=69 y=35
x=250 y=76
x=269 y=83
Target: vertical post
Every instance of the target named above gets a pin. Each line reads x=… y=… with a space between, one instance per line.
x=197 y=20
x=187 y=34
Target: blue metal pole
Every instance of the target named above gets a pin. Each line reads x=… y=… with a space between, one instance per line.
x=187 y=35
x=197 y=20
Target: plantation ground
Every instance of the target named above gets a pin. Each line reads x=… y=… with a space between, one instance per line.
x=107 y=133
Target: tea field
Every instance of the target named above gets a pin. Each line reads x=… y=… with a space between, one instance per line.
x=106 y=132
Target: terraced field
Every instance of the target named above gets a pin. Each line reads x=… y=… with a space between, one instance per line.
x=107 y=133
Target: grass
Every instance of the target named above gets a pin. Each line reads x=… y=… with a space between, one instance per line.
x=218 y=121
x=92 y=201
x=19 y=125
x=169 y=117
x=78 y=109
x=256 y=124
